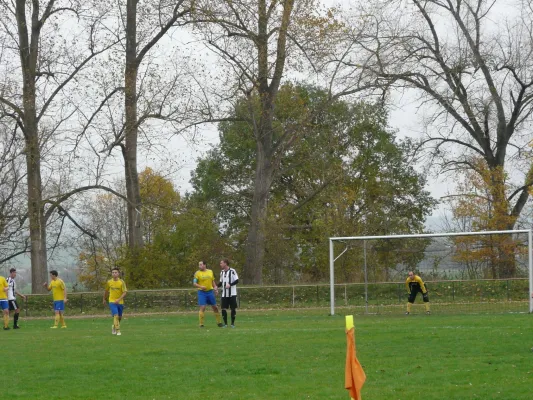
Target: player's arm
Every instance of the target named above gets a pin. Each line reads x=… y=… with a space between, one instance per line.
x=215 y=286
x=196 y=284
x=106 y=295
x=20 y=294
x=421 y=283
x=65 y=292
x=47 y=286
x=124 y=293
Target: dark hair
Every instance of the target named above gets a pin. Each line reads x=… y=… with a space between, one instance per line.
x=203 y=262
x=53 y=272
x=115 y=269
x=13 y=270
x=226 y=261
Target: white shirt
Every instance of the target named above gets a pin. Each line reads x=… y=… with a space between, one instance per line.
x=12 y=292
x=229 y=276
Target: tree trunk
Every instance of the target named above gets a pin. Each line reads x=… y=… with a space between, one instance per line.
x=28 y=52
x=255 y=245
x=39 y=265
x=129 y=151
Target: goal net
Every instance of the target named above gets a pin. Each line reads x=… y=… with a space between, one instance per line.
x=468 y=272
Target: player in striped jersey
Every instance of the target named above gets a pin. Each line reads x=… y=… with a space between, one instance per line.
x=4 y=305
x=59 y=294
x=12 y=296
x=228 y=283
x=116 y=288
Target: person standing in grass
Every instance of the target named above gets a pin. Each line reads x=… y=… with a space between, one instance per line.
x=414 y=285
x=4 y=304
x=204 y=280
x=116 y=289
x=59 y=294
x=12 y=296
x=228 y=282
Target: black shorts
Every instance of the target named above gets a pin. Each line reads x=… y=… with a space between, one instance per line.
x=229 y=302
x=414 y=292
x=13 y=305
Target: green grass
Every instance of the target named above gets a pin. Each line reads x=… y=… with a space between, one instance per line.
x=271 y=355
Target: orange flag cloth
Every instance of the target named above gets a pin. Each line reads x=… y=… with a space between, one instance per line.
x=354 y=376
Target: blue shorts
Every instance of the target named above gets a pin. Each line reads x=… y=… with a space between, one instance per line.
x=59 y=305
x=205 y=298
x=116 y=309
x=4 y=304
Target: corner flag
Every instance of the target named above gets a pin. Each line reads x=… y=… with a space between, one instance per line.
x=354 y=376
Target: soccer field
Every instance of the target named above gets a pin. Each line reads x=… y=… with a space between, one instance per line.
x=271 y=355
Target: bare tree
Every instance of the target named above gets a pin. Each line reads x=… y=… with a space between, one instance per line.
x=469 y=63
x=13 y=216
x=54 y=41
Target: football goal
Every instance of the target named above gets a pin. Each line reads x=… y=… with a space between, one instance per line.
x=473 y=272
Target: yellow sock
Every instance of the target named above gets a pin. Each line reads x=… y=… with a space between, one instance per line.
x=56 y=320
x=116 y=322
x=62 y=320
x=218 y=317
x=409 y=307
x=201 y=314
x=6 y=320
x=427 y=306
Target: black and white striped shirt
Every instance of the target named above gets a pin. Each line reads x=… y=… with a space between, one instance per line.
x=230 y=276
x=12 y=293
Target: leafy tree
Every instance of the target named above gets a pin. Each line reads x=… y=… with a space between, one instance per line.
x=347 y=175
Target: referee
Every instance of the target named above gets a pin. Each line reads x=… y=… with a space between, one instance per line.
x=414 y=285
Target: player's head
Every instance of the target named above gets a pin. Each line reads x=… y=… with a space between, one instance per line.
x=115 y=272
x=411 y=275
x=53 y=274
x=13 y=272
x=224 y=263
x=202 y=265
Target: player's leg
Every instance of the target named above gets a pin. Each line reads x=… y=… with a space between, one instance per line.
x=425 y=297
x=120 y=308
x=5 y=313
x=114 y=314
x=61 y=309
x=212 y=301
x=16 y=315
x=202 y=303
x=410 y=301
x=233 y=306
x=224 y=306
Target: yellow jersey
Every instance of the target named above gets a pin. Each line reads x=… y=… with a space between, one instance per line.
x=115 y=288
x=204 y=278
x=3 y=284
x=415 y=284
x=57 y=287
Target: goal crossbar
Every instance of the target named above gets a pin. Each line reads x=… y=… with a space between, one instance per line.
x=332 y=258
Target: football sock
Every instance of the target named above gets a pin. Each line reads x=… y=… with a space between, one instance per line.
x=116 y=322
x=201 y=314
x=217 y=316
x=16 y=319
x=56 y=320
x=225 y=316
x=6 y=320
x=408 y=307
x=61 y=319
x=233 y=314
x=427 y=306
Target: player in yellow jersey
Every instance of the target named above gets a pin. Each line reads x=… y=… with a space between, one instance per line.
x=116 y=289
x=414 y=285
x=204 y=280
x=59 y=294
x=4 y=304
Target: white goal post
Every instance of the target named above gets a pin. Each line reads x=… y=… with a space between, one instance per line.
x=332 y=257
